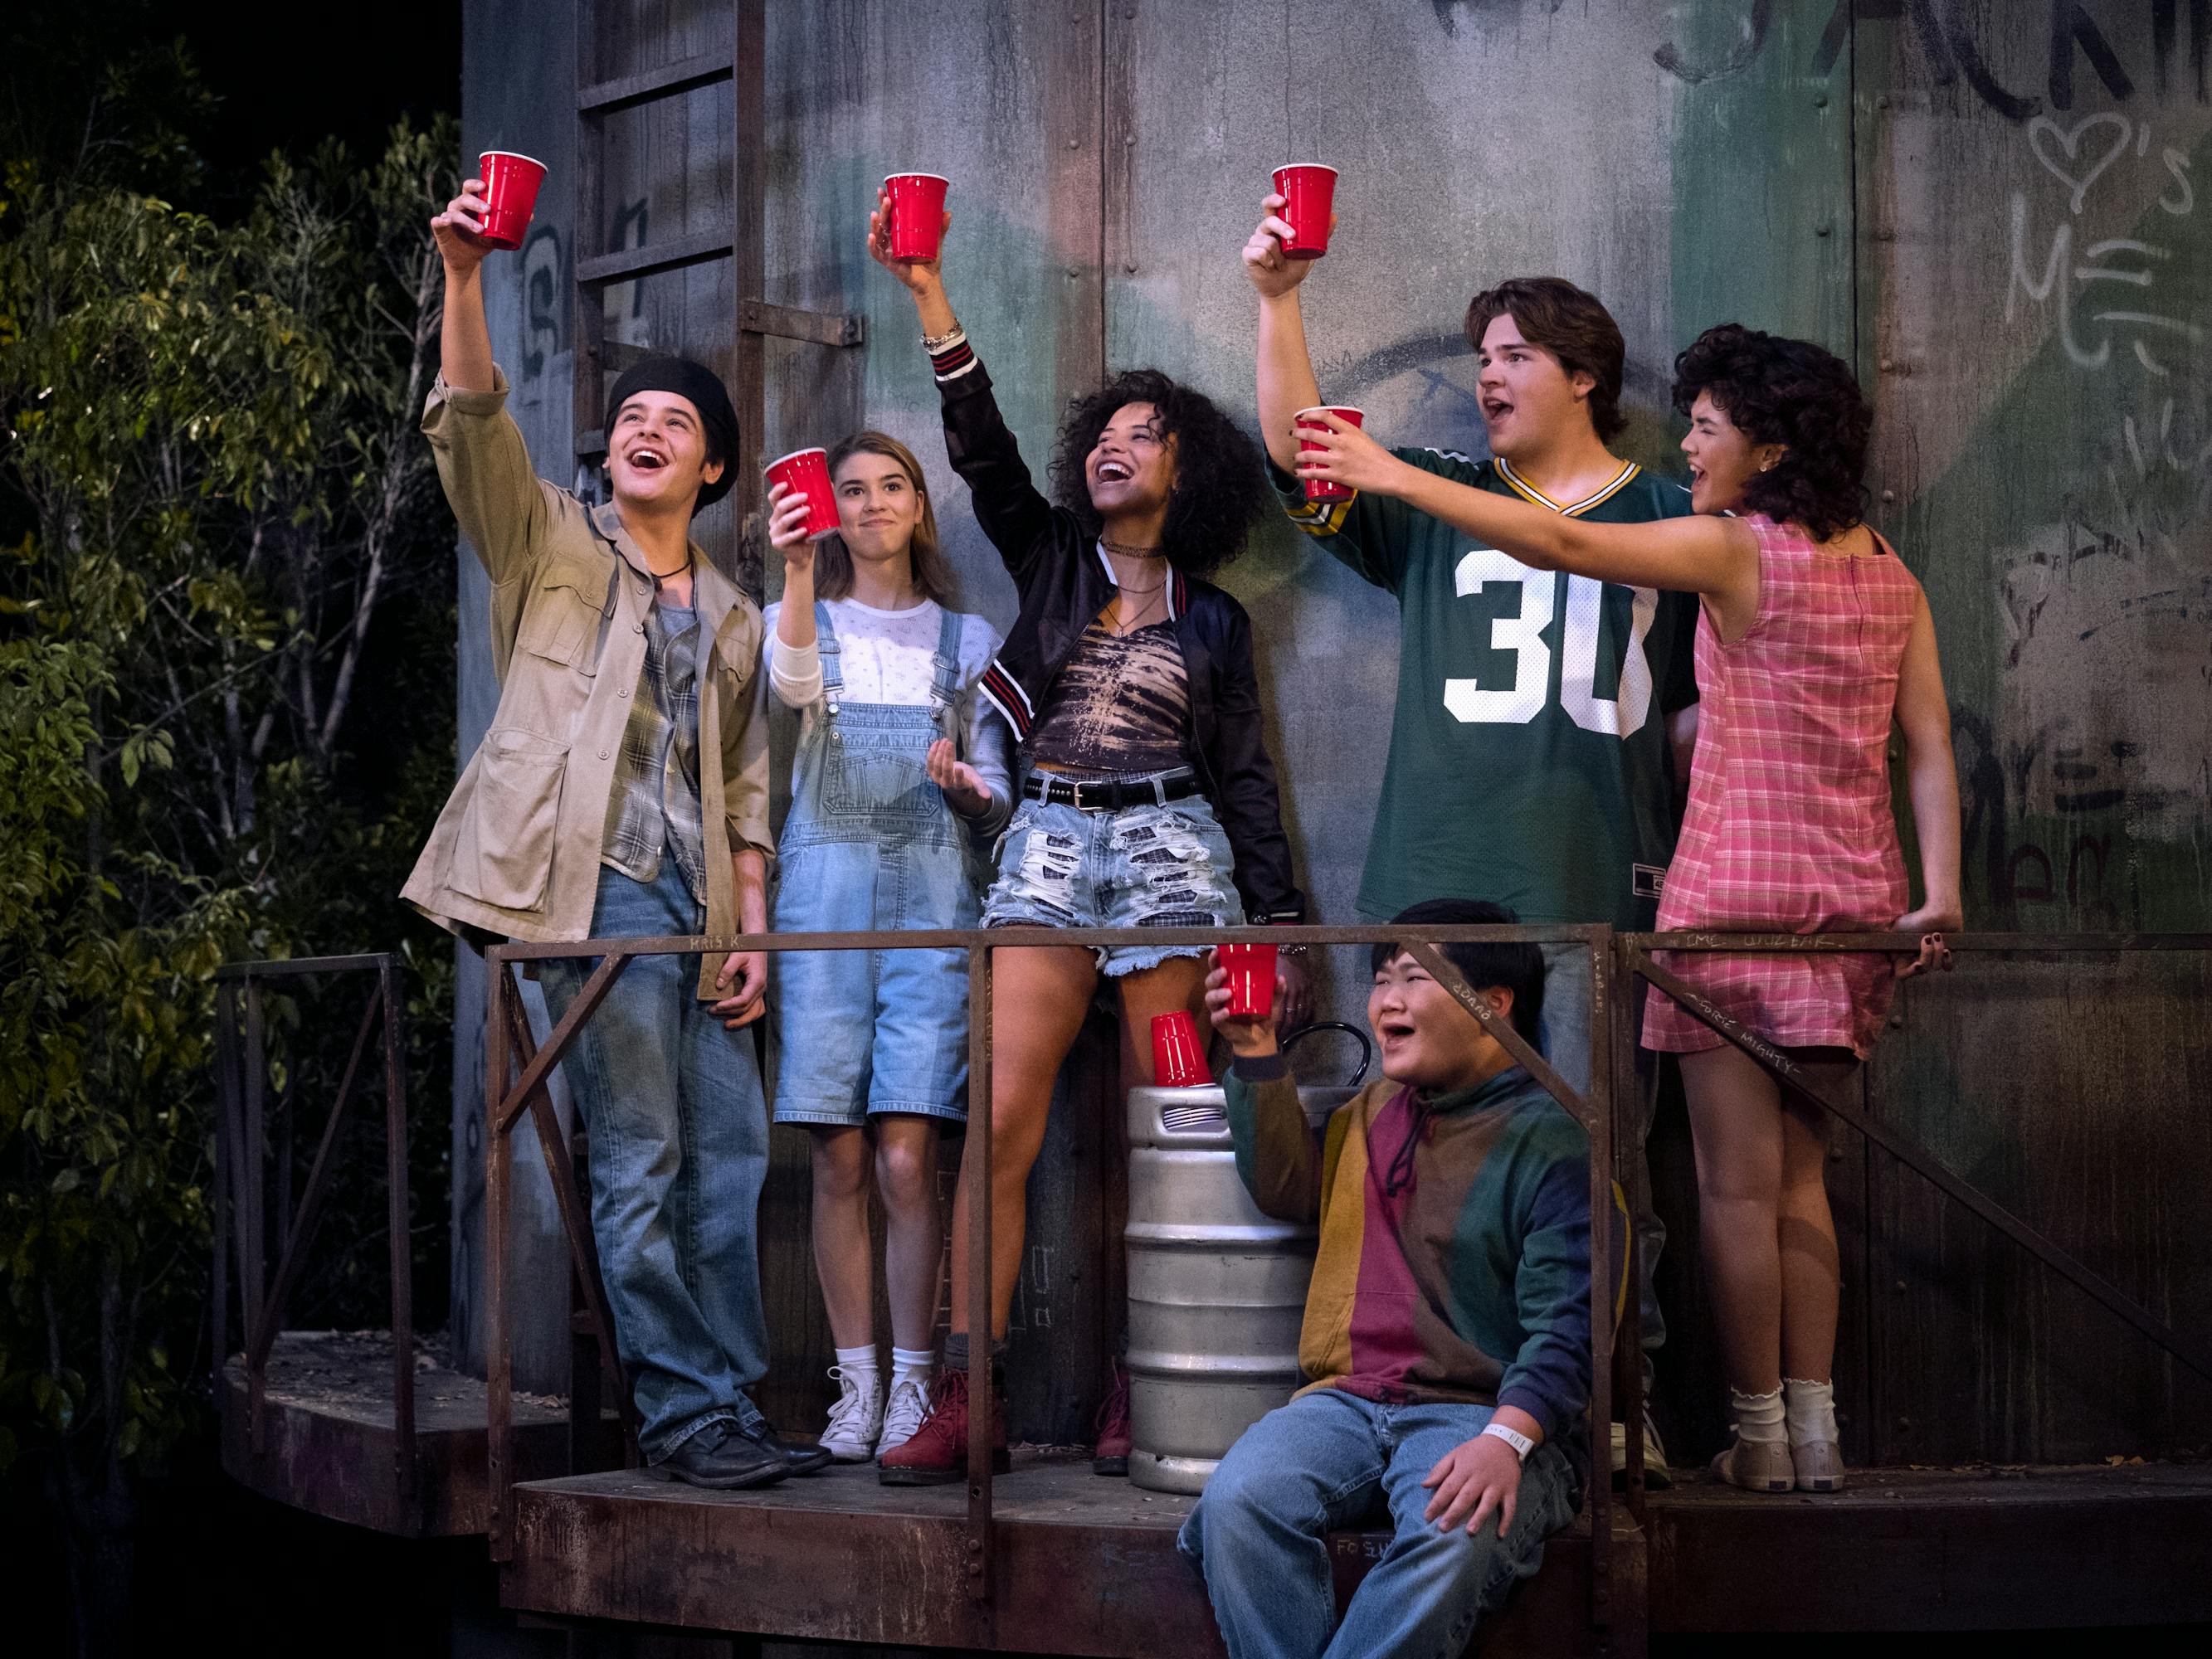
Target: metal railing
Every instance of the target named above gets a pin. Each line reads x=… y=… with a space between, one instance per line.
x=1634 y=960
x=516 y=1069
x=240 y=1220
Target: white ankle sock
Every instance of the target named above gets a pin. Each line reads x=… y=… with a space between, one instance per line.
x=912 y=1366
x=1758 y=1417
x=1812 y=1410
x=859 y=1364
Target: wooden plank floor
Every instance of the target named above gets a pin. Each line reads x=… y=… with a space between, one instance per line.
x=1088 y=1565
x=328 y=1446
x=2024 y=1547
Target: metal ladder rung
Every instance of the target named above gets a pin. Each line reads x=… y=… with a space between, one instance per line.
x=625 y=265
x=685 y=74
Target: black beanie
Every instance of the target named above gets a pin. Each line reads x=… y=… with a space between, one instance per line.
x=704 y=388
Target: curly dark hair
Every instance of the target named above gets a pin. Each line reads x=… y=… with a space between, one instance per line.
x=1220 y=485
x=1791 y=392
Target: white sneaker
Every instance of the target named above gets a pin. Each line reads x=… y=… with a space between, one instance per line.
x=856 y=1419
x=909 y=1405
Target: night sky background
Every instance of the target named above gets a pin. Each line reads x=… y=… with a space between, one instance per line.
x=283 y=77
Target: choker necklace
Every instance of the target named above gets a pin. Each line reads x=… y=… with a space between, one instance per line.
x=1128 y=552
x=685 y=570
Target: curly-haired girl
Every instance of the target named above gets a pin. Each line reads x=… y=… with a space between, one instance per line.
x=1812 y=636
x=1149 y=799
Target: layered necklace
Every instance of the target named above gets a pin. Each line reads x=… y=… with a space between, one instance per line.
x=1127 y=621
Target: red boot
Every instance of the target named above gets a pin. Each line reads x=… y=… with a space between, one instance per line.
x=1111 y=1455
x=937 y=1455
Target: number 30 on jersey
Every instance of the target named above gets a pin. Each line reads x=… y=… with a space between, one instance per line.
x=1522 y=635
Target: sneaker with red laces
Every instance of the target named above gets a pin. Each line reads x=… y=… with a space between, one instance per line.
x=936 y=1455
x=1111 y=1454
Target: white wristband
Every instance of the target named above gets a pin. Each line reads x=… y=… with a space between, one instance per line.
x=1522 y=1444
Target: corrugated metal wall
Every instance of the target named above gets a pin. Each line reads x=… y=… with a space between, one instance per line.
x=1992 y=209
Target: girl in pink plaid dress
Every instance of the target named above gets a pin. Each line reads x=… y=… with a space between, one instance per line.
x=1812 y=638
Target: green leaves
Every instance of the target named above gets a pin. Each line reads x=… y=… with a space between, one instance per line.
x=227 y=522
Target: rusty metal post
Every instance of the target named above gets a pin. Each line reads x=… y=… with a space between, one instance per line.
x=499 y=1382
x=1630 y=1126
x=573 y=1202
x=253 y=1229
x=1603 y=1304
x=976 y=1173
x=404 y=1452
x=253 y=1224
x=749 y=164
x=226 y=1140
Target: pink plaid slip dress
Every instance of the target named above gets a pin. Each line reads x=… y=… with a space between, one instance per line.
x=1789 y=828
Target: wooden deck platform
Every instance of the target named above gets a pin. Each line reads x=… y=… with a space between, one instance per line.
x=1088 y=1565
x=328 y=1446
x=1084 y=1565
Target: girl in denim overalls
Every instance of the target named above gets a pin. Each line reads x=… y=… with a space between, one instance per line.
x=899 y=764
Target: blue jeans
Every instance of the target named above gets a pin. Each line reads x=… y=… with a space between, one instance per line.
x=1563 y=1037
x=1321 y=1462
x=1142 y=867
x=679 y=1150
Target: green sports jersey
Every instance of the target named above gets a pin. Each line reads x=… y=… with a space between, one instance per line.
x=1530 y=762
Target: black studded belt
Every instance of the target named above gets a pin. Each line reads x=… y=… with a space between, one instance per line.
x=1110 y=794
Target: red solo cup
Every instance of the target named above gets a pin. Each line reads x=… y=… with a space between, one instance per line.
x=510 y=188
x=807 y=471
x=1178 y=1061
x=1309 y=193
x=1251 y=970
x=917 y=213
x=1320 y=490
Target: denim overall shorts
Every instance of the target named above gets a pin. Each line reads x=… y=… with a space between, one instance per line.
x=872 y=844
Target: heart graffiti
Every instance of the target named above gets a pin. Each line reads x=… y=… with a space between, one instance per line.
x=2042 y=127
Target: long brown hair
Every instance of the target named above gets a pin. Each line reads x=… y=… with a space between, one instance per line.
x=833 y=559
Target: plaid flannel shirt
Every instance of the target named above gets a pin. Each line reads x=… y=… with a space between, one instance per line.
x=654 y=805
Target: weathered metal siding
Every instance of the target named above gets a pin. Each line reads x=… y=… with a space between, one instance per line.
x=512 y=52
x=1992 y=210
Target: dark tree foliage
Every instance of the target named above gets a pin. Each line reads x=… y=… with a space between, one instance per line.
x=226 y=723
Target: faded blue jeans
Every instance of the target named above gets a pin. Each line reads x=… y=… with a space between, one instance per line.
x=1323 y=1462
x=679 y=1150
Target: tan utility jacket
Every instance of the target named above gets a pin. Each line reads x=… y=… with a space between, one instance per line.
x=516 y=852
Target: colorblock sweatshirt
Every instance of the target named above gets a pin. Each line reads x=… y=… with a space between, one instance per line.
x=1454 y=1254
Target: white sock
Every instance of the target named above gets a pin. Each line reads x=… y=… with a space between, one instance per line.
x=1812 y=1410
x=1758 y=1417
x=858 y=1365
x=912 y=1366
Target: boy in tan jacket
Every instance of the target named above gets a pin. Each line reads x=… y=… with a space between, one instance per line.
x=622 y=792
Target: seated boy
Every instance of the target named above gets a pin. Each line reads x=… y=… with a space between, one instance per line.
x=1447 y=1337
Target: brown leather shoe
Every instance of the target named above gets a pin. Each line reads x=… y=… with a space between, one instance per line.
x=937 y=1455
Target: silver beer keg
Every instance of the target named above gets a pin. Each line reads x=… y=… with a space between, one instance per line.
x=1217 y=1289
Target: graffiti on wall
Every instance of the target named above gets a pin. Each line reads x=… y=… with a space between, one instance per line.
x=2180 y=35
x=2103 y=717
x=2120 y=294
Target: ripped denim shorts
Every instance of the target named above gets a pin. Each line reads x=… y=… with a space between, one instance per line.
x=1142 y=867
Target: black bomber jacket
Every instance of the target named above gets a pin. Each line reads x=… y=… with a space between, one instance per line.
x=1064 y=581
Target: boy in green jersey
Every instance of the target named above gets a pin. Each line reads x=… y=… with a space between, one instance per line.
x=1543 y=725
